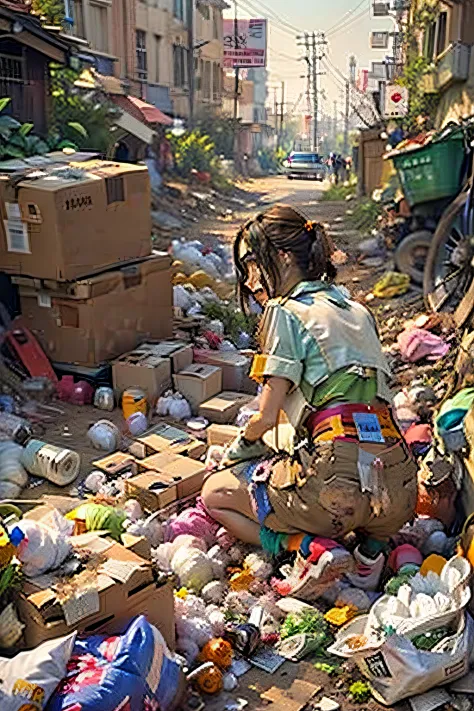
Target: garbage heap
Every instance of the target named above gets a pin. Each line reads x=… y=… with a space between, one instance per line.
x=119 y=590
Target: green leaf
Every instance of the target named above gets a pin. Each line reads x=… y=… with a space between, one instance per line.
x=14 y=152
x=9 y=122
x=4 y=102
x=25 y=129
x=79 y=128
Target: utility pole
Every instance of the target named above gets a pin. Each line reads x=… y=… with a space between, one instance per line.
x=315 y=92
x=334 y=126
x=346 y=119
x=236 y=69
x=190 y=58
x=282 y=109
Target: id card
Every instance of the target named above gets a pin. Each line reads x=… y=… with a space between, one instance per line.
x=368 y=427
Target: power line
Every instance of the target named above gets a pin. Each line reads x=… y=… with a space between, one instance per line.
x=347 y=14
x=350 y=23
x=282 y=25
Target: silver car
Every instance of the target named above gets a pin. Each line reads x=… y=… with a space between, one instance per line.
x=305 y=165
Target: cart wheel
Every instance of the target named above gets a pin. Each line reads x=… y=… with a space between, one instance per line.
x=410 y=255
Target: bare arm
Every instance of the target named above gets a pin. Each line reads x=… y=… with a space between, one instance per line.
x=271 y=402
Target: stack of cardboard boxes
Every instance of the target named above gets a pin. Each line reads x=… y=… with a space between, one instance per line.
x=77 y=239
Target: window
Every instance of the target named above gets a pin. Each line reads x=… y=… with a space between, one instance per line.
x=204 y=10
x=141 y=55
x=429 y=41
x=179 y=66
x=78 y=16
x=216 y=82
x=178 y=9
x=216 y=23
x=442 y=25
x=99 y=27
x=206 y=81
x=157 y=58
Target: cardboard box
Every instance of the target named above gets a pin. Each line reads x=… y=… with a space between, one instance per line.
x=221 y=435
x=123 y=593
x=166 y=438
x=198 y=383
x=66 y=228
x=142 y=368
x=224 y=408
x=174 y=469
x=116 y=463
x=151 y=491
x=125 y=306
x=139 y=545
x=235 y=369
x=179 y=353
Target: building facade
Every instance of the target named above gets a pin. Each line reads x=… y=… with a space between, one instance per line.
x=448 y=43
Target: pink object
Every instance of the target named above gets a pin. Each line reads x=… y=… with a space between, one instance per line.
x=224 y=540
x=195 y=521
x=419 y=433
x=80 y=393
x=417 y=343
x=318 y=546
x=404 y=555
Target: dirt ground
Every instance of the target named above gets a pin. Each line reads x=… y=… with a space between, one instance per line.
x=70 y=428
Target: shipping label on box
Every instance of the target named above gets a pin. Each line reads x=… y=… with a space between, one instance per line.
x=16 y=230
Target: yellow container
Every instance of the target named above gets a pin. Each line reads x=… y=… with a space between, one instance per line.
x=134 y=400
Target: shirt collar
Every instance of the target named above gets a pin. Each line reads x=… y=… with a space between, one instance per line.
x=313 y=287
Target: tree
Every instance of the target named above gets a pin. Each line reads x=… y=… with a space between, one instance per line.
x=86 y=117
x=51 y=10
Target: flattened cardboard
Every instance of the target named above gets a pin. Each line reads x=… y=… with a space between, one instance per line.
x=224 y=408
x=41 y=612
x=151 y=490
x=142 y=368
x=221 y=435
x=64 y=229
x=164 y=438
x=132 y=305
x=187 y=474
x=235 y=369
x=198 y=383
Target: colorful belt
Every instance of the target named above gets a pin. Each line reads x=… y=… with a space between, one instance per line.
x=338 y=423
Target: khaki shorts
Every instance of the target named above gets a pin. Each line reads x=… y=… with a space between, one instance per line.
x=322 y=494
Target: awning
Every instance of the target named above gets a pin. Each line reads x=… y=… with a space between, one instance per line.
x=150 y=113
x=135 y=128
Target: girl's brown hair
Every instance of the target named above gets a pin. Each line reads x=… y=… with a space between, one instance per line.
x=282 y=228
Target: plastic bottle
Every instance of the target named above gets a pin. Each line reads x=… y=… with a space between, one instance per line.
x=134 y=400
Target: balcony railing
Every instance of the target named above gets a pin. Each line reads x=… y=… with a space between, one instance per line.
x=452 y=66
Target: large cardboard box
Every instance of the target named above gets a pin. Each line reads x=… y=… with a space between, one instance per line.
x=166 y=438
x=235 y=369
x=221 y=435
x=125 y=587
x=224 y=408
x=102 y=317
x=71 y=220
x=142 y=368
x=198 y=383
x=151 y=490
x=175 y=470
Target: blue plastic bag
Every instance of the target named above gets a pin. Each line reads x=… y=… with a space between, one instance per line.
x=130 y=672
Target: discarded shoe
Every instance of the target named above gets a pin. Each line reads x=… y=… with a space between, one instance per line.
x=368 y=571
x=308 y=581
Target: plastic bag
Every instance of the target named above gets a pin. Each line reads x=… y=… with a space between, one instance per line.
x=98 y=517
x=29 y=679
x=43 y=549
x=104 y=435
x=397 y=669
x=133 y=672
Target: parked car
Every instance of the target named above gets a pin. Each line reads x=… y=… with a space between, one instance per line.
x=305 y=165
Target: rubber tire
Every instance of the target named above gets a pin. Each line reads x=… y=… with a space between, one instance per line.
x=402 y=259
x=448 y=218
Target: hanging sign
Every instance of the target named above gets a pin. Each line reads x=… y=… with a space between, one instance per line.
x=396 y=101
x=245 y=43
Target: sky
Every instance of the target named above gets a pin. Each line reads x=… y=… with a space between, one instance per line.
x=346 y=35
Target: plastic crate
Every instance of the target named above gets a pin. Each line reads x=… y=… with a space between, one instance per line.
x=433 y=171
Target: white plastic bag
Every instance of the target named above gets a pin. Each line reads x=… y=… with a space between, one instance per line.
x=397 y=670
x=29 y=679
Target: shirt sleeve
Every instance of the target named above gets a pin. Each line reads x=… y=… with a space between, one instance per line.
x=283 y=347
